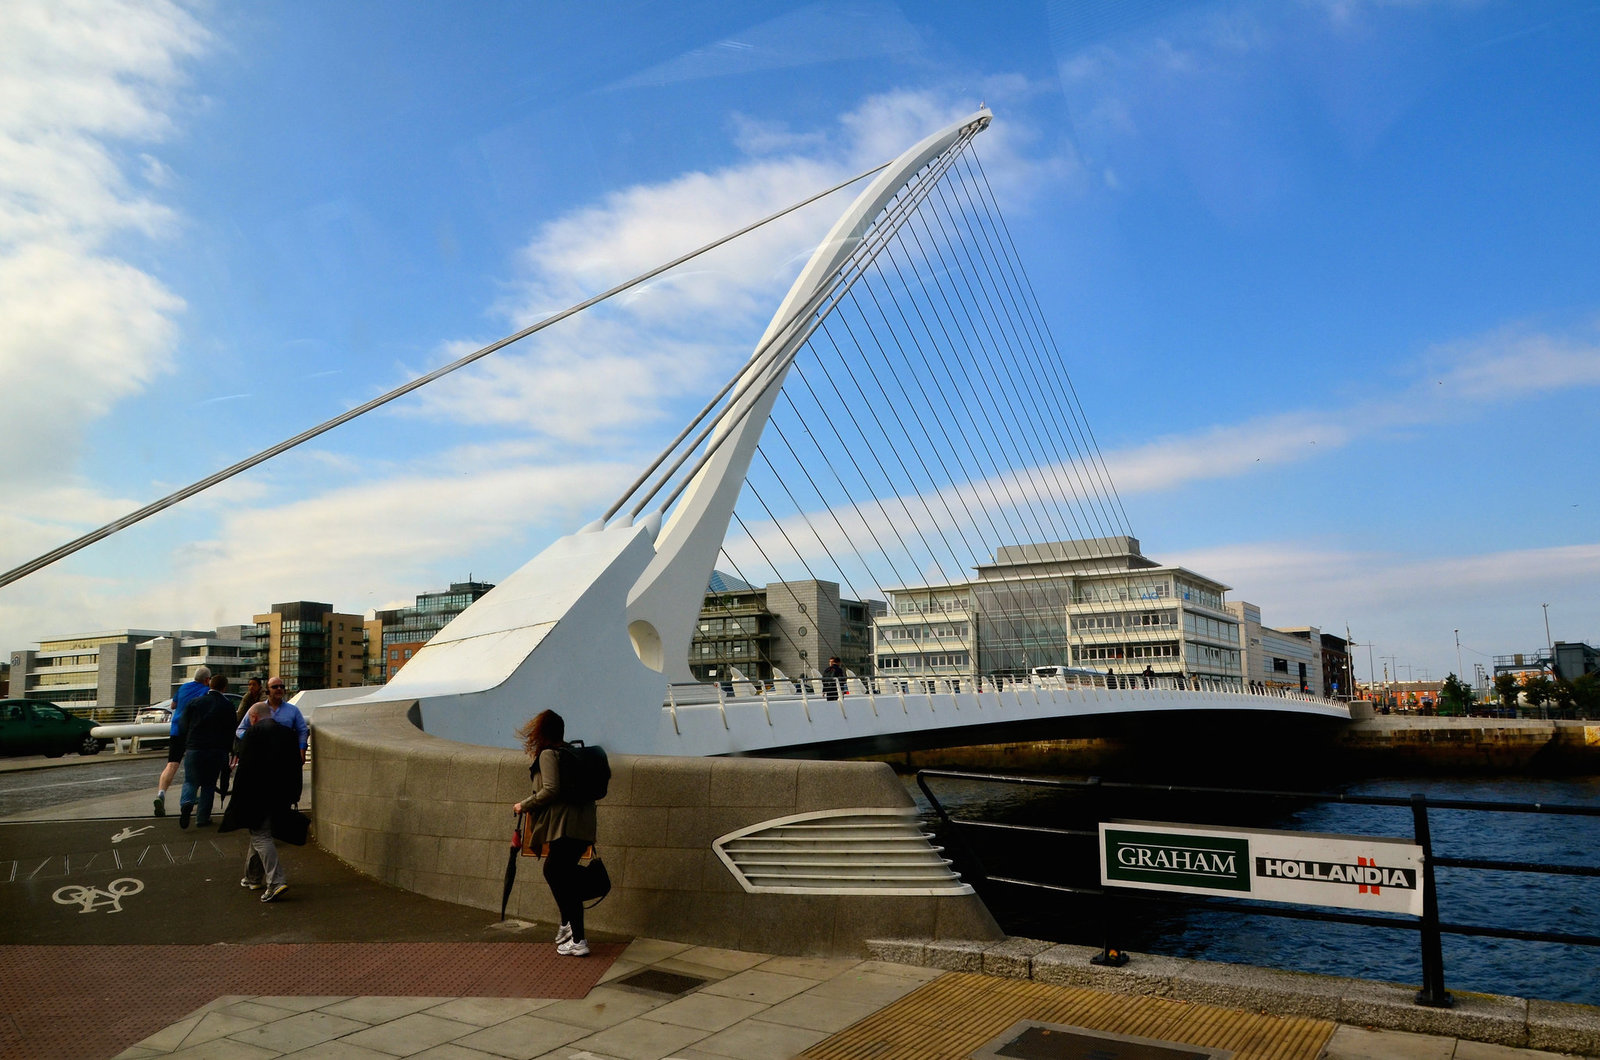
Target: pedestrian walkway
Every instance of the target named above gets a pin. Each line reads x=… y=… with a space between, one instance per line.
x=349 y=968
x=661 y=1000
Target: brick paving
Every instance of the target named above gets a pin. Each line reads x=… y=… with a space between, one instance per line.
x=89 y=1001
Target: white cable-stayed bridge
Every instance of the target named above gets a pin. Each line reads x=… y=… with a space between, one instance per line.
x=906 y=417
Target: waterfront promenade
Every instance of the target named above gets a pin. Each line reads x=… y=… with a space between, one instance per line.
x=352 y=968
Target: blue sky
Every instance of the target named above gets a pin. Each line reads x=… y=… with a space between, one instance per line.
x=1323 y=274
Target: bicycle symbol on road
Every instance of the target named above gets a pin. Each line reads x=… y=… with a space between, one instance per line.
x=92 y=898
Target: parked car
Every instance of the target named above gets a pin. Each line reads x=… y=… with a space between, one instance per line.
x=154 y=713
x=161 y=713
x=34 y=727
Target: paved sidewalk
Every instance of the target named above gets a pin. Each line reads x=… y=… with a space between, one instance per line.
x=692 y=1003
x=745 y=1006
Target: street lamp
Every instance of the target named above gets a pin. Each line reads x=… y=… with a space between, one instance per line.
x=1459 y=675
x=1547 y=641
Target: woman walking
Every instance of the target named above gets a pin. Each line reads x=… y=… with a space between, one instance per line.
x=567 y=827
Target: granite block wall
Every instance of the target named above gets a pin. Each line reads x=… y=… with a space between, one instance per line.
x=434 y=816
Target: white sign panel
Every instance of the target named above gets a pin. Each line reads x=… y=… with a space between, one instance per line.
x=1306 y=868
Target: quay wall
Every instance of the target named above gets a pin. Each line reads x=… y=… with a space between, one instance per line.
x=434 y=816
x=1408 y=743
x=1401 y=743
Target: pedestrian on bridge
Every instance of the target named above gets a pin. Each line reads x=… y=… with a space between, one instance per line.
x=198 y=686
x=284 y=713
x=206 y=736
x=833 y=679
x=266 y=784
x=565 y=823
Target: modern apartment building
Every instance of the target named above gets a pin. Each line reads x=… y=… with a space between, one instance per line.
x=310 y=646
x=176 y=656
x=1093 y=603
x=402 y=631
x=787 y=629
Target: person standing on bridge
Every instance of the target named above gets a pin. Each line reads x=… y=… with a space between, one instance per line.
x=266 y=784
x=568 y=827
x=833 y=678
x=252 y=695
x=194 y=689
x=284 y=713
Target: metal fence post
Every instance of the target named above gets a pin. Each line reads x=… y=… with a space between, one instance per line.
x=1111 y=909
x=1433 y=994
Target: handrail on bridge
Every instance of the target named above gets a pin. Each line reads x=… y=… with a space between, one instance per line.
x=722 y=690
x=1431 y=928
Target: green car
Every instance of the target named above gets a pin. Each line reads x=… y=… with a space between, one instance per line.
x=34 y=727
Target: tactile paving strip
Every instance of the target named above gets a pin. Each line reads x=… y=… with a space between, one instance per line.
x=88 y=1001
x=958 y=1013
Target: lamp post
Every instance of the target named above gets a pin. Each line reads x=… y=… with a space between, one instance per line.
x=1459 y=675
x=1549 y=644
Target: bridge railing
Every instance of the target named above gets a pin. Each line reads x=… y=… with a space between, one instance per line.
x=700 y=692
x=1081 y=845
x=874 y=692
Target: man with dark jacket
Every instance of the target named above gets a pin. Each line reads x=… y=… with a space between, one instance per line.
x=265 y=784
x=205 y=736
x=833 y=679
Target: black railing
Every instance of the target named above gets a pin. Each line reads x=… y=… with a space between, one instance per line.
x=1116 y=900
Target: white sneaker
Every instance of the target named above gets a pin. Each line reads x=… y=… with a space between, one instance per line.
x=571 y=948
x=563 y=933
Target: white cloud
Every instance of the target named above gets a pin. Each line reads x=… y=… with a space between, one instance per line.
x=79 y=80
x=630 y=362
x=1411 y=607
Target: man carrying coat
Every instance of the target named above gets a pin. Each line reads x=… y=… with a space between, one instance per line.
x=265 y=785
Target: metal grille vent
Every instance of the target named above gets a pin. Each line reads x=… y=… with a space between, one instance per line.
x=852 y=851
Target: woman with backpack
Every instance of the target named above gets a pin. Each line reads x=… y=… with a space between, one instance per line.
x=567 y=827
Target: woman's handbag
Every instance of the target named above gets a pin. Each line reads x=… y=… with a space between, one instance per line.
x=594 y=882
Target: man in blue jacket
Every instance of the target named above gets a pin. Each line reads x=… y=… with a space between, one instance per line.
x=198 y=686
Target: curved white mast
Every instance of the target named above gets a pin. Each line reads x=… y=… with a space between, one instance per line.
x=666 y=598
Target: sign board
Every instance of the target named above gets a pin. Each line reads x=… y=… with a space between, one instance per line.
x=1305 y=868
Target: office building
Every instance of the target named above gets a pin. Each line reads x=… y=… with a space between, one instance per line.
x=1289 y=659
x=399 y=633
x=783 y=630
x=127 y=667
x=1094 y=603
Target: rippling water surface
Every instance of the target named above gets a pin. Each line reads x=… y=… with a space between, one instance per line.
x=1466 y=896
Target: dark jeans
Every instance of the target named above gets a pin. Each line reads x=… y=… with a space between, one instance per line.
x=561 y=873
x=200 y=771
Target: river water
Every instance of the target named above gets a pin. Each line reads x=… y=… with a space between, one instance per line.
x=1549 y=971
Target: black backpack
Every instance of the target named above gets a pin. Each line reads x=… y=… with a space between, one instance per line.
x=585 y=772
